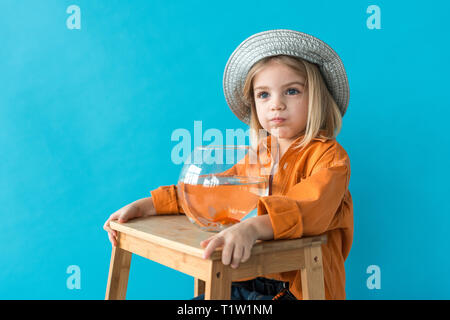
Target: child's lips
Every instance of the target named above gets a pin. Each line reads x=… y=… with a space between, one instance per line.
x=278 y=120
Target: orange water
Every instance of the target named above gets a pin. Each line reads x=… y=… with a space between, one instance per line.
x=218 y=206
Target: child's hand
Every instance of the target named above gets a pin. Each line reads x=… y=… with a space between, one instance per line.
x=237 y=242
x=139 y=208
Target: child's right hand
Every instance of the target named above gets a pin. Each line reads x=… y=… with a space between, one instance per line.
x=139 y=208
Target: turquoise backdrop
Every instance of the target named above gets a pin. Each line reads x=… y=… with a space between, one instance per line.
x=86 y=117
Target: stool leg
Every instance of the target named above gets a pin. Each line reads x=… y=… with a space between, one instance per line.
x=313 y=287
x=119 y=270
x=218 y=285
x=199 y=287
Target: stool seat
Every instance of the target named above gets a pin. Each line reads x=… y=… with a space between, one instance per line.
x=173 y=241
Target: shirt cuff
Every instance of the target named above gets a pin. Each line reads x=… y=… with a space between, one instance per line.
x=284 y=216
x=165 y=200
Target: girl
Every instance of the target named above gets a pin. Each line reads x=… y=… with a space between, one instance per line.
x=294 y=87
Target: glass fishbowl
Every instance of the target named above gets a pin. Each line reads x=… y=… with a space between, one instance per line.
x=220 y=185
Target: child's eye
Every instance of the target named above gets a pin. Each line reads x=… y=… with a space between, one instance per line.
x=259 y=95
x=291 y=90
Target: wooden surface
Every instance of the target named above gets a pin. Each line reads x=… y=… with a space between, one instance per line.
x=178 y=233
x=173 y=241
x=119 y=268
x=312 y=274
x=177 y=260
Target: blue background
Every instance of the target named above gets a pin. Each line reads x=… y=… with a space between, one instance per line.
x=86 y=118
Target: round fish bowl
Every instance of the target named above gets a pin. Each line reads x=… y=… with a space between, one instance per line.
x=221 y=185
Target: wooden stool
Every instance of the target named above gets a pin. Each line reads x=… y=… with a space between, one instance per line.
x=173 y=241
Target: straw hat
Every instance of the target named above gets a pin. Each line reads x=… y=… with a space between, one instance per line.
x=282 y=42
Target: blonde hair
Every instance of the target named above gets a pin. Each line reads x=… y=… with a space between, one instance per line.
x=323 y=112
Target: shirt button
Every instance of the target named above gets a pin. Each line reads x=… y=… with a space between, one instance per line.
x=284 y=167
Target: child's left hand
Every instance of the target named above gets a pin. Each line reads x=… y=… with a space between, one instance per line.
x=237 y=242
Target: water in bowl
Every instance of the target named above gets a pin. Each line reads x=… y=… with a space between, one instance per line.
x=216 y=202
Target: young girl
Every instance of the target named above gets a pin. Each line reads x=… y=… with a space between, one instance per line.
x=293 y=86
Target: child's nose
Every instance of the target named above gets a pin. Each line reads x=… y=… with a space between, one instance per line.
x=278 y=106
x=278 y=102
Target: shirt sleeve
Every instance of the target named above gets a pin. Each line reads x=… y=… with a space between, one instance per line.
x=311 y=207
x=165 y=200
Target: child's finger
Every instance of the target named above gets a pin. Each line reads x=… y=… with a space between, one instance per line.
x=246 y=254
x=227 y=253
x=114 y=216
x=212 y=245
x=112 y=239
x=205 y=242
x=123 y=217
x=106 y=227
x=237 y=255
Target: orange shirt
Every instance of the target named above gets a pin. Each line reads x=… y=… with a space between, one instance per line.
x=308 y=196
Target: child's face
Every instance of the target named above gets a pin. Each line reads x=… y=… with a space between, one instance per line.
x=279 y=97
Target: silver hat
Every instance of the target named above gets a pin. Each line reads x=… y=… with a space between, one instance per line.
x=282 y=42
